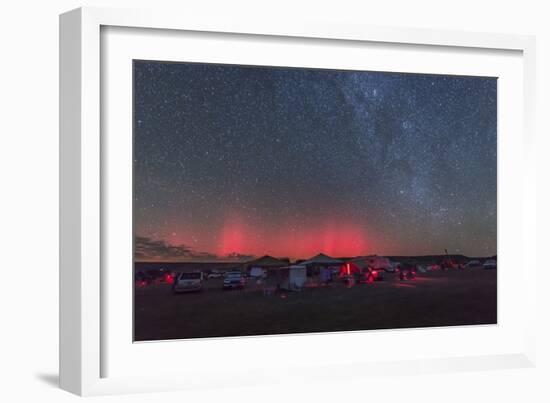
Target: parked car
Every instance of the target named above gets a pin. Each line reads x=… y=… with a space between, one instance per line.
x=187 y=282
x=490 y=264
x=142 y=279
x=433 y=267
x=165 y=277
x=214 y=275
x=233 y=279
x=449 y=264
x=407 y=272
x=368 y=275
x=473 y=264
x=372 y=274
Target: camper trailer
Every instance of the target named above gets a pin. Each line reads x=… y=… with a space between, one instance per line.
x=358 y=271
x=379 y=263
x=372 y=267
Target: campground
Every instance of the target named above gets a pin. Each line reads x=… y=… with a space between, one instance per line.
x=439 y=298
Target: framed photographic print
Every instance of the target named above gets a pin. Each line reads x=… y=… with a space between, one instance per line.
x=267 y=192
x=321 y=196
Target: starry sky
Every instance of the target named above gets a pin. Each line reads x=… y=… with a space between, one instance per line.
x=238 y=161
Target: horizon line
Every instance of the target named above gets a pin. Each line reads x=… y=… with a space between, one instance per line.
x=228 y=260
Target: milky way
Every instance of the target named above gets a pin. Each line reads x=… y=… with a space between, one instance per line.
x=240 y=160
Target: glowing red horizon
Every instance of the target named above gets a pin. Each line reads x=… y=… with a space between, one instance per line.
x=342 y=240
x=236 y=236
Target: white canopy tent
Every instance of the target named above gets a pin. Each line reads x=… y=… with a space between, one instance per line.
x=297 y=277
x=257 y=272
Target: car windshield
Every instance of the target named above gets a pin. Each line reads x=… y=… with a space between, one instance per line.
x=190 y=276
x=233 y=274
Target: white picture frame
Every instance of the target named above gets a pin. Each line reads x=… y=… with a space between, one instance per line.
x=83 y=295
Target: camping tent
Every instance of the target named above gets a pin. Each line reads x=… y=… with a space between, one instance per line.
x=266 y=262
x=257 y=272
x=270 y=266
x=321 y=260
x=296 y=278
x=261 y=267
x=324 y=263
x=349 y=269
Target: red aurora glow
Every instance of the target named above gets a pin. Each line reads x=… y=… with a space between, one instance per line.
x=236 y=236
x=340 y=240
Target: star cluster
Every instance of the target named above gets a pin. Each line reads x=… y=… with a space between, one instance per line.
x=292 y=162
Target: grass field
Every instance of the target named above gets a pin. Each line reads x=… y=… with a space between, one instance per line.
x=449 y=298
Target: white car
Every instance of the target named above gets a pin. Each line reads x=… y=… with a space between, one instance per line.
x=233 y=279
x=472 y=264
x=490 y=264
x=187 y=282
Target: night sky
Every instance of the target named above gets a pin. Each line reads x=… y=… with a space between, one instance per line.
x=237 y=161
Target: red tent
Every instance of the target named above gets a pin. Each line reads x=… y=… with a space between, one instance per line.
x=349 y=269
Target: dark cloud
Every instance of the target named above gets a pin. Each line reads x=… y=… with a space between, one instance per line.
x=147 y=249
